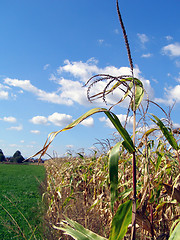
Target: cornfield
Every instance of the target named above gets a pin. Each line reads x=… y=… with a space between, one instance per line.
x=130 y=192
x=79 y=188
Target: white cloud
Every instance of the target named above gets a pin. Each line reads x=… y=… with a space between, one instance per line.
x=42 y=95
x=147 y=55
x=172 y=50
x=52 y=77
x=24 y=84
x=88 y=122
x=166 y=101
x=4 y=95
x=2 y=87
x=60 y=119
x=71 y=91
x=178 y=78
x=35 y=131
x=39 y=120
x=101 y=41
x=169 y=38
x=85 y=70
x=171 y=95
x=46 y=66
x=9 y=119
x=16 y=128
x=174 y=92
x=81 y=70
x=143 y=38
x=155 y=80
x=122 y=118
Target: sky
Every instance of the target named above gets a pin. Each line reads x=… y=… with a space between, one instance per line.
x=48 y=51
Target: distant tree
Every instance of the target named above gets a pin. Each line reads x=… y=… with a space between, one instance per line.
x=2 y=157
x=17 y=157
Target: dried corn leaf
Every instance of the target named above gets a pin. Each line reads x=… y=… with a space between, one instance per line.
x=172 y=191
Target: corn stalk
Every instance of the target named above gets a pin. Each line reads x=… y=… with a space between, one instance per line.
x=133 y=232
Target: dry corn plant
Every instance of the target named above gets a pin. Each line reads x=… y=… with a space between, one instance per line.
x=142 y=180
x=78 y=188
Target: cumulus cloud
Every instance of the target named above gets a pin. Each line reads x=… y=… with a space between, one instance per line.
x=4 y=95
x=171 y=95
x=71 y=89
x=70 y=79
x=172 y=50
x=84 y=70
x=88 y=122
x=9 y=119
x=60 y=119
x=39 y=120
x=26 y=85
x=81 y=70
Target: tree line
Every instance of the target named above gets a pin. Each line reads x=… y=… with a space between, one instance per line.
x=16 y=158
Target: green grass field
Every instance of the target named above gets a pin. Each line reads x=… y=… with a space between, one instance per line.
x=21 y=185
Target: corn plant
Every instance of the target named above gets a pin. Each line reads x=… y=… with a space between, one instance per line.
x=137 y=174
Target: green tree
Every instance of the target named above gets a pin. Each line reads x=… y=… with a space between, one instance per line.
x=2 y=157
x=17 y=157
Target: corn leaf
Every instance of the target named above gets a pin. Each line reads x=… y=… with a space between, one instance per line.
x=176 y=233
x=121 y=220
x=117 y=124
x=128 y=90
x=52 y=135
x=167 y=133
x=139 y=90
x=113 y=172
x=139 y=93
x=158 y=162
x=77 y=231
x=172 y=192
x=114 y=119
x=149 y=132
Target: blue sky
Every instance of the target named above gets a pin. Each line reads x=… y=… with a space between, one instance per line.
x=49 y=49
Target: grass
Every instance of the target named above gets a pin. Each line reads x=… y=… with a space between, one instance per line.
x=20 y=200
